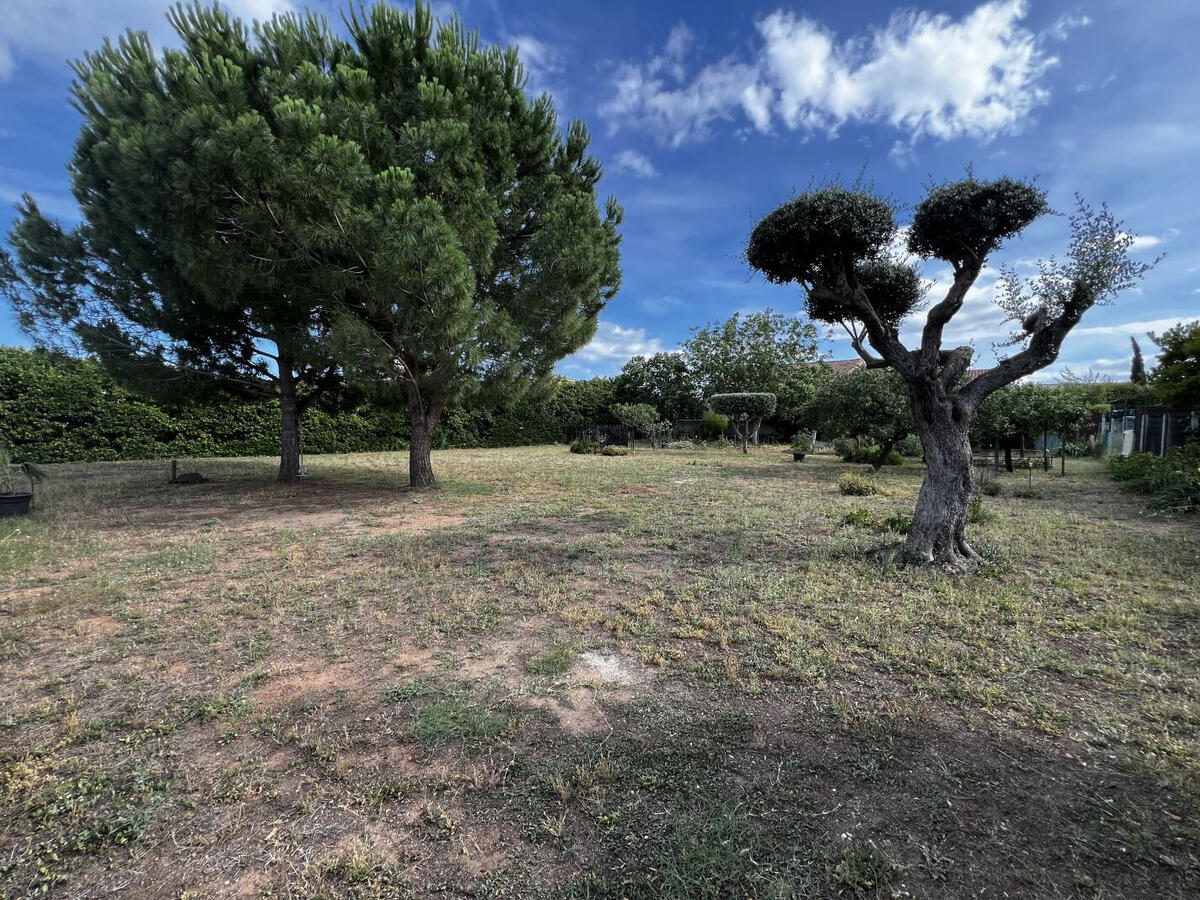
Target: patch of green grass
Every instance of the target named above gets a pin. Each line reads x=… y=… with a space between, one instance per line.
x=458 y=715
x=555 y=661
x=403 y=691
x=70 y=810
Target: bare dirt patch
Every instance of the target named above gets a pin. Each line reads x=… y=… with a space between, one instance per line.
x=578 y=715
x=608 y=669
x=315 y=678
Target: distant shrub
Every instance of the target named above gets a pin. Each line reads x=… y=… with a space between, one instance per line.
x=1173 y=479
x=657 y=432
x=894 y=458
x=802 y=442
x=684 y=445
x=910 y=446
x=724 y=443
x=990 y=488
x=856 y=485
x=1180 y=495
x=865 y=454
x=715 y=424
x=898 y=522
x=1027 y=493
x=1134 y=467
x=614 y=450
x=585 y=445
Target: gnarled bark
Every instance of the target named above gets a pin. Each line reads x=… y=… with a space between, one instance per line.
x=938 y=536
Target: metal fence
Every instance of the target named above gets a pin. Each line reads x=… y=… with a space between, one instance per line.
x=1147 y=429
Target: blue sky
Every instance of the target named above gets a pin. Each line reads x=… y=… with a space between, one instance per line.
x=708 y=115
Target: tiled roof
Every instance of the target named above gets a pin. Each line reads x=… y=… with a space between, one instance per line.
x=842 y=366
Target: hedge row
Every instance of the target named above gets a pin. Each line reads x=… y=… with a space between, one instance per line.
x=55 y=408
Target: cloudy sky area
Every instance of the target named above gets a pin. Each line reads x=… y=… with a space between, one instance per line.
x=708 y=115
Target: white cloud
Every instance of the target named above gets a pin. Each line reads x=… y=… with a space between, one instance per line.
x=902 y=154
x=1145 y=242
x=675 y=116
x=633 y=163
x=54 y=31
x=1131 y=328
x=541 y=60
x=616 y=345
x=925 y=74
x=1062 y=28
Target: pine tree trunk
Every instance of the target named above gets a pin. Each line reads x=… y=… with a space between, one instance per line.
x=938 y=536
x=420 y=447
x=289 y=427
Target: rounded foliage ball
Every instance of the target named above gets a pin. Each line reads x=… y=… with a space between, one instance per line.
x=794 y=242
x=893 y=288
x=971 y=217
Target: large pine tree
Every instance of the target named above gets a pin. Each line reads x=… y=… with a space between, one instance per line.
x=267 y=197
x=484 y=256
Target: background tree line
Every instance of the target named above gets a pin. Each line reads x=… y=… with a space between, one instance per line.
x=57 y=408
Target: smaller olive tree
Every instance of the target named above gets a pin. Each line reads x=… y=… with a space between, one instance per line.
x=635 y=417
x=864 y=404
x=753 y=406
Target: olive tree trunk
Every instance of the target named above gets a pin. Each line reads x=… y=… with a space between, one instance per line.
x=289 y=426
x=424 y=420
x=938 y=536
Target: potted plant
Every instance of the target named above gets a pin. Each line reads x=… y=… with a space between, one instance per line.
x=13 y=502
x=801 y=445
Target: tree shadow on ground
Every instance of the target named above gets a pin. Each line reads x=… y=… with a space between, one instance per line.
x=767 y=798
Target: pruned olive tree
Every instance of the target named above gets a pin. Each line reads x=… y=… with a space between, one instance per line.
x=834 y=242
x=745 y=410
x=635 y=417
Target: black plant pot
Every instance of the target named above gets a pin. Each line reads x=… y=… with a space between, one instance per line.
x=797 y=457
x=15 y=504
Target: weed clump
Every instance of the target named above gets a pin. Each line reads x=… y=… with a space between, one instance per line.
x=854 y=485
x=869 y=519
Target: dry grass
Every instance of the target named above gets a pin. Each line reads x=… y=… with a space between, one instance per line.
x=670 y=674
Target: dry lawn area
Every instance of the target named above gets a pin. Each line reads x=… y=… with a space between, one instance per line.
x=674 y=674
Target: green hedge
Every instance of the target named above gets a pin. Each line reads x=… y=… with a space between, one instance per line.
x=55 y=408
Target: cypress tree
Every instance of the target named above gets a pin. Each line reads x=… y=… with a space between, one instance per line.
x=1137 y=368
